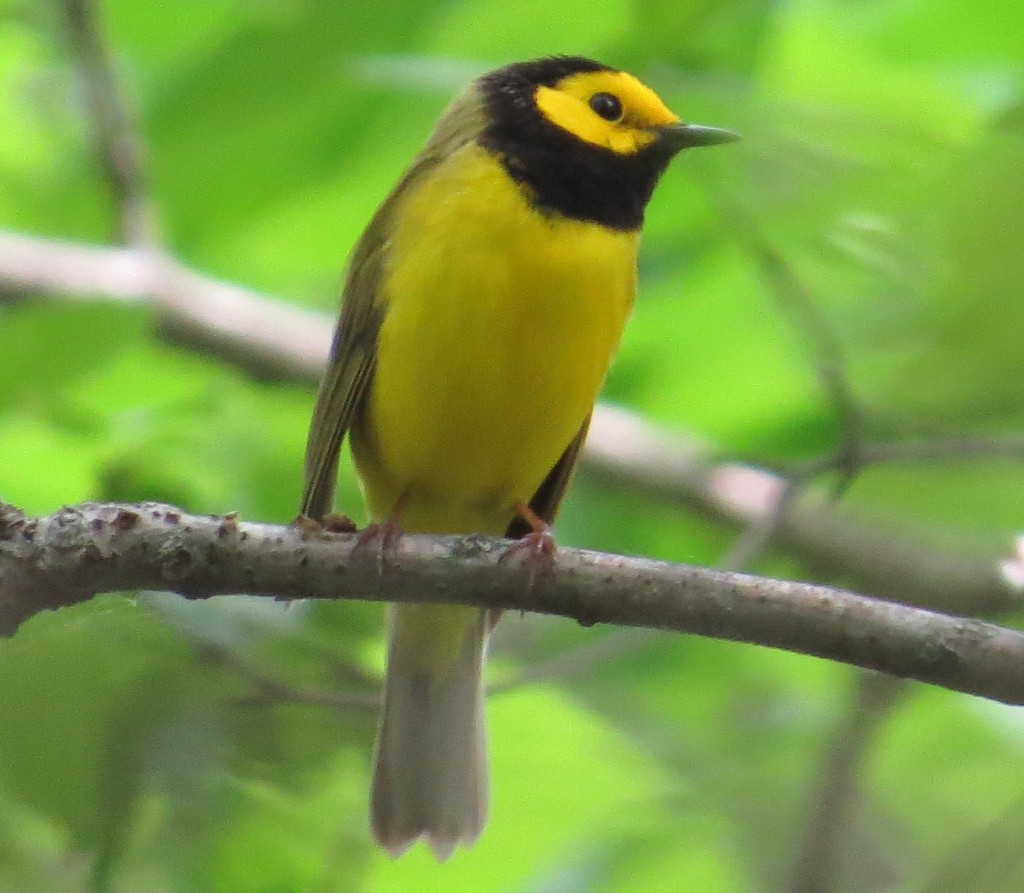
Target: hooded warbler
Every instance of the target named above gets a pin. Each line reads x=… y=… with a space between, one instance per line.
x=480 y=313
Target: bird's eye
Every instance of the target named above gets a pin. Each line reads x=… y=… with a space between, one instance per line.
x=607 y=106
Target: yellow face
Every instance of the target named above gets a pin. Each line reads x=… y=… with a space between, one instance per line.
x=610 y=109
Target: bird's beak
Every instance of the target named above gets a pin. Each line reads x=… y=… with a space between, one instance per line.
x=675 y=137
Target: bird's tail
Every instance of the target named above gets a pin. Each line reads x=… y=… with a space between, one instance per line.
x=430 y=777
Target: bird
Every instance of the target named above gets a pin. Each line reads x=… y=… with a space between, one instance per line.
x=481 y=309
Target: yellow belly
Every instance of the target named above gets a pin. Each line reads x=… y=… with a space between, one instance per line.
x=499 y=330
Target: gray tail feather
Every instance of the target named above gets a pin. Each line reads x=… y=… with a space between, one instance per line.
x=430 y=773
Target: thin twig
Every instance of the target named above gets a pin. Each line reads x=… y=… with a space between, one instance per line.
x=954 y=448
x=827 y=354
x=757 y=536
x=118 y=147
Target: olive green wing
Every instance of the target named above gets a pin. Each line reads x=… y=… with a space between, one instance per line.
x=349 y=374
x=349 y=371
x=548 y=498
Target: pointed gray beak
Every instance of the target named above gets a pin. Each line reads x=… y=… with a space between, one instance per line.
x=675 y=137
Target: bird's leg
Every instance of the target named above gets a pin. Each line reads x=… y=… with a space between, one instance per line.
x=381 y=538
x=537 y=548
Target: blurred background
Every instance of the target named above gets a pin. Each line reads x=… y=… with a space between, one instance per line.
x=836 y=298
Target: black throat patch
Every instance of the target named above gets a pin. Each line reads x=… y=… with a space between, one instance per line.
x=560 y=173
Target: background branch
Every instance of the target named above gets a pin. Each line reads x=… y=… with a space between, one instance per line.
x=118 y=148
x=266 y=337
x=69 y=556
x=870 y=554
x=832 y=813
x=827 y=355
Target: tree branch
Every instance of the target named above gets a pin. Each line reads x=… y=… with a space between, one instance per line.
x=73 y=554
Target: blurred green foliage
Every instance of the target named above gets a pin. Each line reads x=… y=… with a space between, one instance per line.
x=141 y=744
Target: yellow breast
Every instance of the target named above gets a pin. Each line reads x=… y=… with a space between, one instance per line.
x=499 y=330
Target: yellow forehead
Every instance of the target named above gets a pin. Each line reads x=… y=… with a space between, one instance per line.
x=567 y=104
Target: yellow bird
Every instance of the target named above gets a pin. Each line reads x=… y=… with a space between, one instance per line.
x=481 y=310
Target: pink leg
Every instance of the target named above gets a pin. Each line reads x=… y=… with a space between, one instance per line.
x=537 y=548
x=381 y=538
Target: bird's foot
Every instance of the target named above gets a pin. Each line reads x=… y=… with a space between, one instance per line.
x=535 y=550
x=379 y=542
